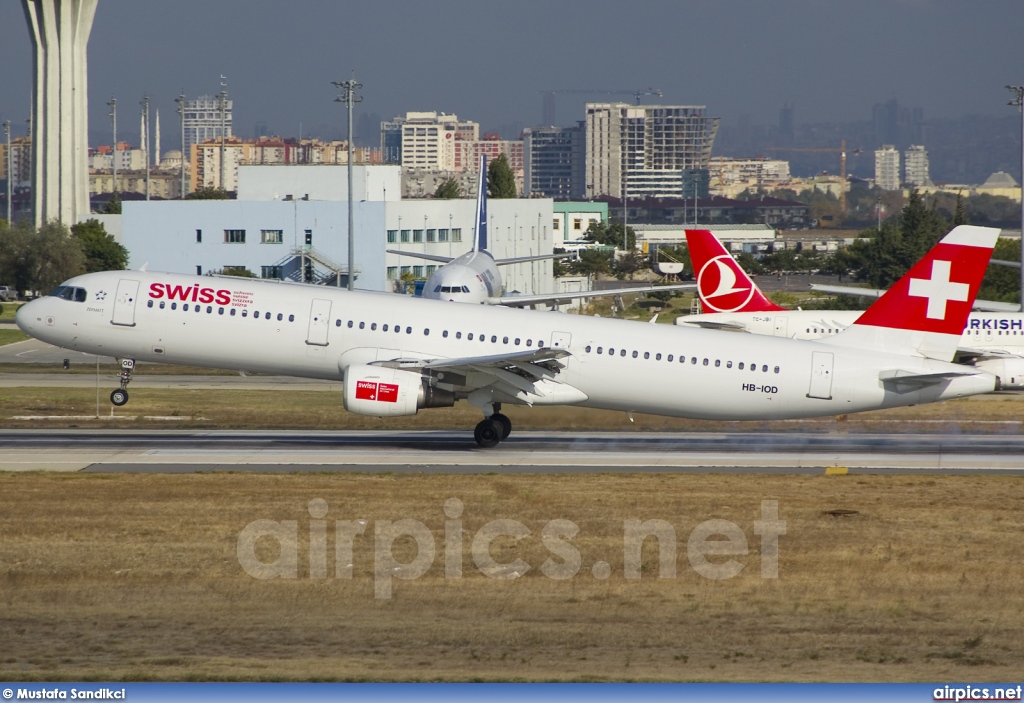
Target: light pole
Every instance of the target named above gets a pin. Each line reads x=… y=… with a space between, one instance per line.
x=7 y=153
x=1018 y=102
x=348 y=96
x=223 y=103
x=113 y=116
x=145 y=146
x=181 y=118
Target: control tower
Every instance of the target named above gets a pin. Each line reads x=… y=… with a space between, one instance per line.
x=60 y=147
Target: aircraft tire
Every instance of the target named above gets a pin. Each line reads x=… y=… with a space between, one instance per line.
x=488 y=433
x=506 y=425
x=119 y=397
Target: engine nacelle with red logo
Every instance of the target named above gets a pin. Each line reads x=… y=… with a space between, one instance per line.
x=384 y=392
x=1010 y=371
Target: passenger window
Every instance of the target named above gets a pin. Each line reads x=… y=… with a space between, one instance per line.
x=776 y=369
x=764 y=368
x=529 y=343
x=198 y=308
x=458 y=335
x=384 y=328
x=232 y=313
x=504 y=340
x=740 y=366
x=149 y=304
x=517 y=341
x=693 y=360
x=494 y=338
x=718 y=363
x=337 y=323
x=647 y=355
x=266 y=316
x=635 y=354
x=622 y=352
x=373 y=326
x=611 y=351
x=426 y=332
x=705 y=362
x=657 y=357
x=350 y=323
x=185 y=307
x=220 y=311
x=669 y=358
x=587 y=349
x=280 y=317
x=362 y=325
x=728 y=364
x=408 y=330
x=245 y=313
x=445 y=334
x=469 y=336
x=162 y=303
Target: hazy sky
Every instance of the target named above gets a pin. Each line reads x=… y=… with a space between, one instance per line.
x=488 y=61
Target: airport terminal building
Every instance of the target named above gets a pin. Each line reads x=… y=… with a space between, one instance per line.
x=291 y=222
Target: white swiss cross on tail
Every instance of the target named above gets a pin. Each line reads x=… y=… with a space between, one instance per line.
x=939 y=290
x=925 y=311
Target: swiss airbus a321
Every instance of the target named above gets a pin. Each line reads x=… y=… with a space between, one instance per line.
x=397 y=355
x=475 y=277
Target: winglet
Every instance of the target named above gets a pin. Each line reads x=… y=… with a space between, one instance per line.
x=480 y=240
x=927 y=309
x=722 y=284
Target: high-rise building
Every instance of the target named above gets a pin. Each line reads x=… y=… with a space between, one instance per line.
x=203 y=120
x=425 y=139
x=554 y=162
x=661 y=151
x=887 y=168
x=916 y=167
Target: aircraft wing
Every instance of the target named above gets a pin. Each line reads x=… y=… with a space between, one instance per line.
x=521 y=300
x=527 y=259
x=709 y=325
x=525 y=376
x=984 y=305
x=420 y=255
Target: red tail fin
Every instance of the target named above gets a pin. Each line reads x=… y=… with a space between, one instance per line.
x=722 y=285
x=927 y=309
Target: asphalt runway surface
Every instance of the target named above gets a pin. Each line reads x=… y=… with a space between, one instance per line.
x=446 y=452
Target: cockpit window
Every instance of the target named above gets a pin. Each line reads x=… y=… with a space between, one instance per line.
x=78 y=295
x=437 y=289
x=465 y=289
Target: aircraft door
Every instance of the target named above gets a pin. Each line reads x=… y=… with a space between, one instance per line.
x=124 y=303
x=821 y=375
x=319 y=322
x=781 y=328
x=560 y=339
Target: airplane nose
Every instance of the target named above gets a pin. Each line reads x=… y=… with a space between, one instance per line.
x=25 y=316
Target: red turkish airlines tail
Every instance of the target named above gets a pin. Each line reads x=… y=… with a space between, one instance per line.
x=722 y=284
x=925 y=312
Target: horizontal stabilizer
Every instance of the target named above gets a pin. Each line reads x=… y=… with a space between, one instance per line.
x=527 y=259
x=564 y=298
x=709 y=325
x=916 y=380
x=420 y=255
x=982 y=305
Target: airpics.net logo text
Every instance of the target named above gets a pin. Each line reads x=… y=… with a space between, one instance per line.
x=713 y=548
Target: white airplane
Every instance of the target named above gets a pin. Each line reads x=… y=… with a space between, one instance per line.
x=730 y=300
x=397 y=355
x=474 y=276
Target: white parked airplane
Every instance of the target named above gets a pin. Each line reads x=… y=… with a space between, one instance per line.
x=474 y=276
x=730 y=300
x=397 y=355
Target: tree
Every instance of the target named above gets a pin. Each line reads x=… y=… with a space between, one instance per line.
x=237 y=271
x=39 y=260
x=610 y=235
x=113 y=205
x=207 y=193
x=501 y=182
x=102 y=252
x=628 y=264
x=591 y=263
x=448 y=190
x=558 y=266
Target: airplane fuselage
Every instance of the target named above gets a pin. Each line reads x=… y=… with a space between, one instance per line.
x=470 y=278
x=319 y=332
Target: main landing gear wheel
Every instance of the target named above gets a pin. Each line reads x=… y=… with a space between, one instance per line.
x=506 y=425
x=119 y=397
x=488 y=433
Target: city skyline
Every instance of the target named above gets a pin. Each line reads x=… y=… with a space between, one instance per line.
x=491 y=64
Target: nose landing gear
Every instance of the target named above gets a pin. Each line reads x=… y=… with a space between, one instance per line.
x=120 y=396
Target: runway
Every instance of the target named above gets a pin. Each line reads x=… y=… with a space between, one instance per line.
x=445 y=452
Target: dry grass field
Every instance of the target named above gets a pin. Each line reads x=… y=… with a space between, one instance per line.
x=136 y=577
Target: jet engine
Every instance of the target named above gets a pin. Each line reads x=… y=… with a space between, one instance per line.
x=1009 y=371
x=384 y=392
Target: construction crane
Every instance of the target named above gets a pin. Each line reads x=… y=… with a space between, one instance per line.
x=548 y=99
x=828 y=150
